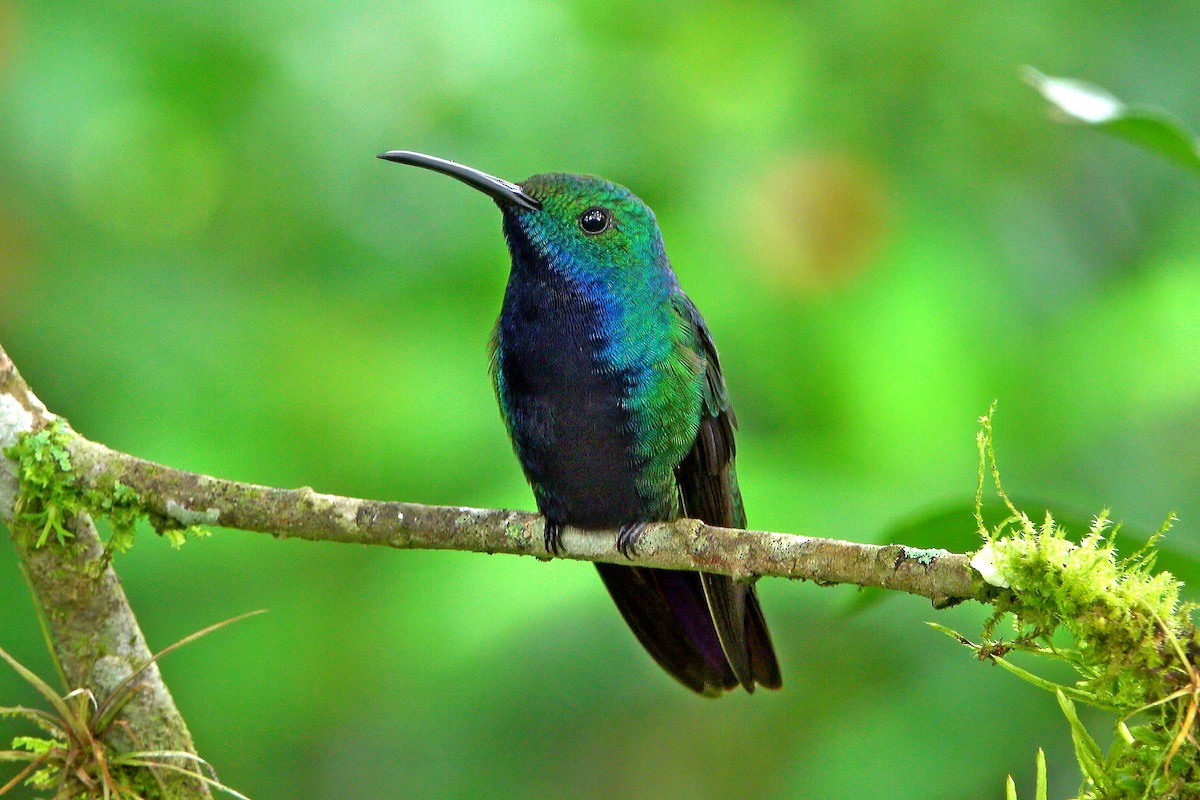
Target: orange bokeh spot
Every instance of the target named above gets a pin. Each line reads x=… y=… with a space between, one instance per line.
x=820 y=220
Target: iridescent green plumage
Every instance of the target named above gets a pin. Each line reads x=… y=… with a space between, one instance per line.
x=610 y=387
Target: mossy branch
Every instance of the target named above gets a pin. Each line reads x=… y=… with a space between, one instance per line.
x=175 y=499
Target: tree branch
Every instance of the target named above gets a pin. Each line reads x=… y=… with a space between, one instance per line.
x=175 y=498
x=96 y=638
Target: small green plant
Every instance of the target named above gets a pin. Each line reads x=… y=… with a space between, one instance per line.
x=51 y=495
x=1116 y=622
x=73 y=747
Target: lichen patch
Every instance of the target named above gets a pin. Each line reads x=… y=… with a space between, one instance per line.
x=14 y=420
x=189 y=517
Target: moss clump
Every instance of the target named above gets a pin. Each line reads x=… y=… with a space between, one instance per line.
x=1119 y=614
x=52 y=495
x=1132 y=642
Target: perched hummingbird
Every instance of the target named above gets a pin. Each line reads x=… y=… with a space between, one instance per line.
x=610 y=387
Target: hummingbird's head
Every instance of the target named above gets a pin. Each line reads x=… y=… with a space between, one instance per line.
x=589 y=228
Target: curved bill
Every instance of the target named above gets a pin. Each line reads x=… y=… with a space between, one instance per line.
x=500 y=190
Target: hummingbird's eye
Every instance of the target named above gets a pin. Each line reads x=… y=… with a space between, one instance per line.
x=595 y=220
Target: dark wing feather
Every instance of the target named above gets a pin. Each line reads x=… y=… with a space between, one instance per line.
x=709 y=492
x=668 y=613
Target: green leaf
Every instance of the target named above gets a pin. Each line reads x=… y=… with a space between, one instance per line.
x=60 y=706
x=953 y=634
x=1042 y=786
x=1010 y=790
x=1051 y=686
x=1087 y=752
x=1149 y=128
x=35 y=715
x=34 y=745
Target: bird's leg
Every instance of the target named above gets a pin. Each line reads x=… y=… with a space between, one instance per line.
x=627 y=539
x=553 y=537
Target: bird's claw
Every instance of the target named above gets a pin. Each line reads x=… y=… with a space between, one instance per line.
x=627 y=539
x=553 y=537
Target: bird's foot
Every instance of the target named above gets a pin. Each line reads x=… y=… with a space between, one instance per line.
x=627 y=539
x=553 y=537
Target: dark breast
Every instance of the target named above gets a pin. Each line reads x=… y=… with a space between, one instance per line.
x=564 y=410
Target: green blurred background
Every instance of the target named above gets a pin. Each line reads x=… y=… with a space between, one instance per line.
x=202 y=263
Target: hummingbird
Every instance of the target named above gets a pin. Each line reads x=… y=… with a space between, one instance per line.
x=612 y=393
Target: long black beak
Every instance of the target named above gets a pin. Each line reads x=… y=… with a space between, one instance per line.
x=500 y=190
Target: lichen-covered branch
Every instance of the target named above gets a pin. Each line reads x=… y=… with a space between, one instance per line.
x=96 y=638
x=176 y=499
x=186 y=498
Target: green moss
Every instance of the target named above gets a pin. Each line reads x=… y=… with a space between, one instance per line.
x=52 y=495
x=1131 y=642
x=46 y=496
x=178 y=536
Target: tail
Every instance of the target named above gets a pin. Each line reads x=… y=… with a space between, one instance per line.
x=706 y=630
